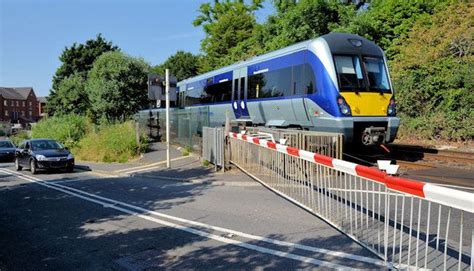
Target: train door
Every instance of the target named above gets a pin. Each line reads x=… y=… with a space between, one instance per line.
x=239 y=90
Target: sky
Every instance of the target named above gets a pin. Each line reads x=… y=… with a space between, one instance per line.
x=33 y=33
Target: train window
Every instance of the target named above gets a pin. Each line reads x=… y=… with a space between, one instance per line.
x=349 y=73
x=298 y=80
x=303 y=79
x=236 y=89
x=277 y=83
x=254 y=86
x=193 y=95
x=376 y=74
x=242 y=88
x=309 y=79
x=225 y=91
x=216 y=93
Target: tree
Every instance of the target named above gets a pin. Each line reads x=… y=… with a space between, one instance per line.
x=71 y=96
x=76 y=60
x=297 y=21
x=226 y=24
x=117 y=86
x=433 y=73
x=182 y=65
x=386 y=22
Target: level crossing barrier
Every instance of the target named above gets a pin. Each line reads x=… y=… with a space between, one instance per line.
x=407 y=223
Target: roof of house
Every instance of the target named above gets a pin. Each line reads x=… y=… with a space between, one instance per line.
x=42 y=99
x=15 y=93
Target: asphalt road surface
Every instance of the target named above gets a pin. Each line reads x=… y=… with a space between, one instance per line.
x=151 y=221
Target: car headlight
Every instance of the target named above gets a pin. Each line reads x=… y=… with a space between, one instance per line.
x=70 y=156
x=40 y=157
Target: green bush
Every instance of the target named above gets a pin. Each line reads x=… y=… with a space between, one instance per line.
x=113 y=143
x=67 y=129
x=187 y=151
x=435 y=91
x=449 y=126
x=19 y=137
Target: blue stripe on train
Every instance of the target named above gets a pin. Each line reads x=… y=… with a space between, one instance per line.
x=326 y=92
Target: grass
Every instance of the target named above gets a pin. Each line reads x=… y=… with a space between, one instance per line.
x=67 y=129
x=112 y=143
x=187 y=151
x=19 y=137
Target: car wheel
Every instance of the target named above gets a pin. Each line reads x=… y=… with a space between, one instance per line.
x=33 y=168
x=17 y=165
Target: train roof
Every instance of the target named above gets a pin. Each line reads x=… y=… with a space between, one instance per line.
x=280 y=52
x=336 y=41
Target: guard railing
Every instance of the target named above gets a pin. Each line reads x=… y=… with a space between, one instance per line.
x=407 y=223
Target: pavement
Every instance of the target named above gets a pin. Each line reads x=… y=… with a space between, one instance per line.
x=154 y=157
x=139 y=217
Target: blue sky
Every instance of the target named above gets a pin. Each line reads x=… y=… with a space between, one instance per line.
x=33 y=33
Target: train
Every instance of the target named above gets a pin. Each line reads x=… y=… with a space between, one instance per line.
x=338 y=82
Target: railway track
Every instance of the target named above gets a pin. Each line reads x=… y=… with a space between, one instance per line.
x=430 y=157
x=411 y=156
x=423 y=163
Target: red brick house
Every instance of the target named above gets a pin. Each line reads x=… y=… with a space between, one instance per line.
x=18 y=105
x=41 y=106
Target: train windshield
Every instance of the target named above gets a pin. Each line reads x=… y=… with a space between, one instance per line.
x=349 y=73
x=353 y=77
x=376 y=74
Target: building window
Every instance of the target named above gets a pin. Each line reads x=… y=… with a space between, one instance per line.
x=17 y=103
x=22 y=113
x=5 y=103
x=24 y=103
x=30 y=104
x=6 y=113
x=12 y=103
x=30 y=113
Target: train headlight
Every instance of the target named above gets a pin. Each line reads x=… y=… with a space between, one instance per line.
x=343 y=106
x=392 y=108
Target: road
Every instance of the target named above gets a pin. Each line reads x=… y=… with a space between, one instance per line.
x=151 y=221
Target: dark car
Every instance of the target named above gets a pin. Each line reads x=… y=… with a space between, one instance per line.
x=7 y=151
x=44 y=154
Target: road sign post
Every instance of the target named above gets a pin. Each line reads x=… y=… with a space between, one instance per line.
x=167 y=91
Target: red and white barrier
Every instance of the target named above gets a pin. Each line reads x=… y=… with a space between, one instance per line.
x=442 y=195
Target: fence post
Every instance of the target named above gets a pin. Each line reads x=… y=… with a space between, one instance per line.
x=137 y=132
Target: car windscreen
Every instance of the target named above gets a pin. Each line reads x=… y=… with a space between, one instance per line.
x=45 y=145
x=6 y=144
x=376 y=74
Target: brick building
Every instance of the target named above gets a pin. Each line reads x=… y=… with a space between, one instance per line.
x=18 y=105
x=41 y=106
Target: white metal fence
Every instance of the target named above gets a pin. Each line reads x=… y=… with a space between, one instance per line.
x=329 y=144
x=407 y=223
x=213 y=145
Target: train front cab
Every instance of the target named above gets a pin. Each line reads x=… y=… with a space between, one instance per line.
x=365 y=98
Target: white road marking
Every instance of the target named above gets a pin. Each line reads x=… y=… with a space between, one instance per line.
x=126 y=170
x=110 y=203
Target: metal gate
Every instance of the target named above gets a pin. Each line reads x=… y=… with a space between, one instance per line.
x=407 y=223
x=329 y=144
x=213 y=145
